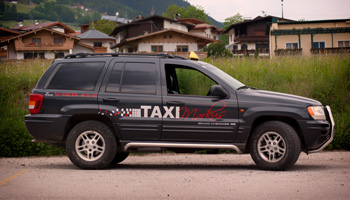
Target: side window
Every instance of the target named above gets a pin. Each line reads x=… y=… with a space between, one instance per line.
x=187 y=81
x=76 y=76
x=137 y=78
x=114 y=80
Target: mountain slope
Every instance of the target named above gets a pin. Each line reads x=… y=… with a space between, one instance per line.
x=132 y=8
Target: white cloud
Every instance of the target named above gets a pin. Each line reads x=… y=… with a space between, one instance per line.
x=293 y=9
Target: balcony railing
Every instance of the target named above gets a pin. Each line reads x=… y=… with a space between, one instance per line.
x=250 y=52
x=288 y=52
x=43 y=45
x=342 y=50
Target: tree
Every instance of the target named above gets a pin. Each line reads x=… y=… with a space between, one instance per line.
x=2 y=7
x=228 y=22
x=232 y=20
x=196 y=12
x=189 y=12
x=104 y=26
x=172 y=10
x=10 y=12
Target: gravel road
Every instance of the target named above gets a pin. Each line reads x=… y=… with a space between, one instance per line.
x=324 y=175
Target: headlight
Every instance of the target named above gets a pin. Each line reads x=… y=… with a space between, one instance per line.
x=316 y=112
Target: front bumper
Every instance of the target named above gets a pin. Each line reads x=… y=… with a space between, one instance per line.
x=330 y=136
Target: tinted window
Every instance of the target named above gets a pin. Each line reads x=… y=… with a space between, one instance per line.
x=187 y=81
x=76 y=76
x=139 y=78
x=114 y=79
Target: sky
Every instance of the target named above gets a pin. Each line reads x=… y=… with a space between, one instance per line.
x=292 y=9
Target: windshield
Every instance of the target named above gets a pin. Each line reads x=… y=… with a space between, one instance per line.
x=227 y=78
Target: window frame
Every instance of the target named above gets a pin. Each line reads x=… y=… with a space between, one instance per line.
x=181 y=48
x=58 y=40
x=122 y=76
x=58 y=67
x=99 y=44
x=319 y=44
x=292 y=44
x=36 y=40
x=176 y=67
x=343 y=41
x=158 y=48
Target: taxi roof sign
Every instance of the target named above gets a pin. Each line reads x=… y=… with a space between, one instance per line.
x=193 y=56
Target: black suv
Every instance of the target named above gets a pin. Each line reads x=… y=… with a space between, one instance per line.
x=101 y=107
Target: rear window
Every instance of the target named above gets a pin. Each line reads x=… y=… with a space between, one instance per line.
x=76 y=76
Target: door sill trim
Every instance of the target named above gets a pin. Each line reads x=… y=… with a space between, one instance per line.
x=183 y=145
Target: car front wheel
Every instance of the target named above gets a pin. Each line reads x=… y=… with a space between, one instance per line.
x=275 y=145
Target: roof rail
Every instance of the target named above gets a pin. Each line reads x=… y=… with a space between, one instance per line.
x=84 y=55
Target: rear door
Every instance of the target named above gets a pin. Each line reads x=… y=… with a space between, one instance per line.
x=131 y=96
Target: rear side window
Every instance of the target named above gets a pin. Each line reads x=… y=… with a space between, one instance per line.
x=139 y=78
x=76 y=76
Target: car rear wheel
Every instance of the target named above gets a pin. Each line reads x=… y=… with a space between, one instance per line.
x=91 y=145
x=275 y=145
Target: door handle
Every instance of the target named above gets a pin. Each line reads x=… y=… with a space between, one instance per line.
x=175 y=103
x=110 y=100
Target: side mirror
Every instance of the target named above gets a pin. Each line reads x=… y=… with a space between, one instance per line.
x=218 y=91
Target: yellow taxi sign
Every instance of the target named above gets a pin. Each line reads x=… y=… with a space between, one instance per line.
x=193 y=56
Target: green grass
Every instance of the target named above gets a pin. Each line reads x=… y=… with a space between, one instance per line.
x=325 y=78
x=17 y=79
x=13 y=23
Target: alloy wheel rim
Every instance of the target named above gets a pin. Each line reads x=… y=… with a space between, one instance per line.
x=271 y=147
x=90 y=145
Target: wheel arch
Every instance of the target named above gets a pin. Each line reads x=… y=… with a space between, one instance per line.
x=76 y=119
x=288 y=120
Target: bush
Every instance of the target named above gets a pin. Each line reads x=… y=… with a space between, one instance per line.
x=218 y=50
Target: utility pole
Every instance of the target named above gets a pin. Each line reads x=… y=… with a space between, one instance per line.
x=282 y=8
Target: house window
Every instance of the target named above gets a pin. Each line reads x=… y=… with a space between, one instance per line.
x=57 y=40
x=318 y=45
x=292 y=45
x=182 y=48
x=343 y=44
x=36 y=40
x=158 y=48
x=244 y=47
x=34 y=55
x=170 y=36
x=164 y=36
x=97 y=44
x=59 y=55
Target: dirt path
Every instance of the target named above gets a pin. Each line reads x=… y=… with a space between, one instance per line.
x=324 y=175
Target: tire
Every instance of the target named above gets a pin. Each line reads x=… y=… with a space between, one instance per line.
x=91 y=145
x=120 y=157
x=274 y=145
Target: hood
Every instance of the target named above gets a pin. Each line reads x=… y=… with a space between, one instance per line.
x=274 y=98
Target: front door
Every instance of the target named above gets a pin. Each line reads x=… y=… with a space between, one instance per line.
x=191 y=114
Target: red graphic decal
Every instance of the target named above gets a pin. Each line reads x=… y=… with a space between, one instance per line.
x=74 y=94
x=211 y=114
